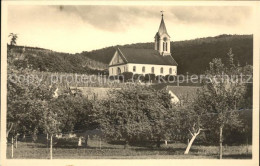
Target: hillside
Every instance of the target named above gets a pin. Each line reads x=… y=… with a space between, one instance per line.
x=192 y=56
x=46 y=60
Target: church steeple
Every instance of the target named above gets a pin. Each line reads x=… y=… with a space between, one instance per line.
x=162 y=28
x=162 y=39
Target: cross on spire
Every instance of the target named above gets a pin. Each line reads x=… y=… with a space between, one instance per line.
x=162 y=12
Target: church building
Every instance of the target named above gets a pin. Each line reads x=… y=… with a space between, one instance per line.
x=156 y=61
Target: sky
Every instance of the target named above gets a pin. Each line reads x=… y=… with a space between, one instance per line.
x=74 y=29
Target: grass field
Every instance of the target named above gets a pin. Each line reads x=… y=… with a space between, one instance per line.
x=27 y=150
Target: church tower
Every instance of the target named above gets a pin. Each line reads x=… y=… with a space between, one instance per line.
x=162 y=39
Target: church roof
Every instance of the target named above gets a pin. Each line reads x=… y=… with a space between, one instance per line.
x=162 y=29
x=145 y=56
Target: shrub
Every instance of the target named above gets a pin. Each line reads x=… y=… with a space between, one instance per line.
x=160 y=78
x=127 y=75
x=138 y=77
x=66 y=142
x=170 y=78
x=149 y=77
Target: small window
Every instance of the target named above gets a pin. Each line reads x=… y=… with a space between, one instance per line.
x=134 y=69
x=152 y=70
x=112 y=71
x=166 y=46
x=118 y=70
x=170 y=71
x=143 y=69
x=163 y=46
x=162 y=70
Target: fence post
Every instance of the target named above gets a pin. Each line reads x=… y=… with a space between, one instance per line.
x=47 y=140
x=16 y=141
x=51 y=148
x=100 y=143
x=12 y=155
x=247 y=146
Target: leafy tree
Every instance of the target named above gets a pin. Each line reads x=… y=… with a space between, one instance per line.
x=220 y=95
x=26 y=101
x=77 y=114
x=135 y=114
x=190 y=122
x=13 y=40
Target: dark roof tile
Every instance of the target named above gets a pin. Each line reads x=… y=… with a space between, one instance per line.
x=146 y=56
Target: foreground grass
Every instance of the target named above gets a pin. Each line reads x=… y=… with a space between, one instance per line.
x=108 y=151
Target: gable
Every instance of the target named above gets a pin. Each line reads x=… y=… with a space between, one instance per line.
x=116 y=59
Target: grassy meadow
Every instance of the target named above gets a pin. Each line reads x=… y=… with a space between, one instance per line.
x=27 y=150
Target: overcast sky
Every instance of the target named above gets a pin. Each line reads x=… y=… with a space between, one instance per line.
x=84 y=28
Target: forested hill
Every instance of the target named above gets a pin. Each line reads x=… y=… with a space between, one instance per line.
x=192 y=56
x=47 y=60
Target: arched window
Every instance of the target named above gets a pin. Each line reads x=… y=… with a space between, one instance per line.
x=166 y=46
x=162 y=70
x=134 y=69
x=163 y=46
x=170 y=71
x=143 y=69
x=152 y=70
x=118 y=70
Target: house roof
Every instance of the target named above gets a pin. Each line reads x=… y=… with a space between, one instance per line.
x=187 y=93
x=145 y=56
x=184 y=92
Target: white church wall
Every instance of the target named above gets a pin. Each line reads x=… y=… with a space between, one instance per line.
x=113 y=70
x=148 y=69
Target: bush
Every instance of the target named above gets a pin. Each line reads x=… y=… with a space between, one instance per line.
x=138 y=77
x=170 y=78
x=160 y=78
x=111 y=78
x=149 y=77
x=66 y=142
x=127 y=75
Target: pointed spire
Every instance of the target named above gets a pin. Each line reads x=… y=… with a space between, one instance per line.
x=162 y=12
x=162 y=27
